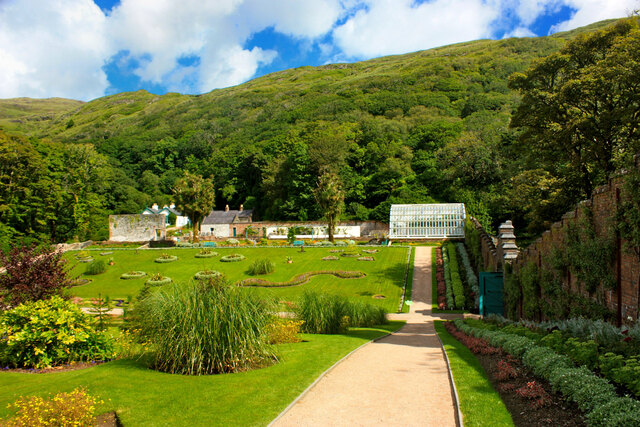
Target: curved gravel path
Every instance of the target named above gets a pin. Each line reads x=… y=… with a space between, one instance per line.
x=401 y=379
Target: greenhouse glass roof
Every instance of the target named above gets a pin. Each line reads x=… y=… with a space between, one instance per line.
x=426 y=221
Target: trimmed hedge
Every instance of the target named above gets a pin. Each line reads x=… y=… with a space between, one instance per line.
x=472 y=279
x=132 y=275
x=207 y=274
x=166 y=259
x=447 y=278
x=232 y=258
x=595 y=396
x=456 y=281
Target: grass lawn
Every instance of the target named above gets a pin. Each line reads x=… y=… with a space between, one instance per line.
x=145 y=397
x=384 y=275
x=480 y=404
x=407 y=297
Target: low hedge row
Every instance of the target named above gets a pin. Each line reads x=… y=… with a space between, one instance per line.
x=595 y=396
x=456 y=281
x=472 y=279
x=447 y=278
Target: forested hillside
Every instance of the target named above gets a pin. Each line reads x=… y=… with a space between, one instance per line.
x=421 y=127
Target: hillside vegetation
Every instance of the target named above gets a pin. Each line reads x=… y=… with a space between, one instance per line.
x=421 y=127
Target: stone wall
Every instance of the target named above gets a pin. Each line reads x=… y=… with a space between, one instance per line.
x=136 y=227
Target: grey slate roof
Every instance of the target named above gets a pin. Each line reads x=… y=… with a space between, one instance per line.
x=226 y=217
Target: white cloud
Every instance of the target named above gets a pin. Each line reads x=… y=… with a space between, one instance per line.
x=58 y=47
x=520 y=32
x=590 y=11
x=399 y=26
x=52 y=48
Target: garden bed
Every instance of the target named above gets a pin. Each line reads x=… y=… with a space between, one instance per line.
x=513 y=382
x=300 y=280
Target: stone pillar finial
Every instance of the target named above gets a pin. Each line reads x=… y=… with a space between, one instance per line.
x=507 y=248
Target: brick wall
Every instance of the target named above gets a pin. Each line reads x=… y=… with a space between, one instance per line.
x=367 y=228
x=624 y=300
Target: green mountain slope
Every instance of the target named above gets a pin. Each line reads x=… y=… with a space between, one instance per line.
x=32 y=115
x=430 y=125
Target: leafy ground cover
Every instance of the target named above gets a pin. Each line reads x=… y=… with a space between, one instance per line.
x=145 y=397
x=438 y=287
x=530 y=400
x=479 y=402
x=384 y=276
x=595 y=396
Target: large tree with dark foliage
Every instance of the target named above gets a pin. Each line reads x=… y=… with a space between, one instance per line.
x=32 y=274
x=580 y=109
x=195 y=198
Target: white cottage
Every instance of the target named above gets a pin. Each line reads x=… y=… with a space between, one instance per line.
x=181 y=220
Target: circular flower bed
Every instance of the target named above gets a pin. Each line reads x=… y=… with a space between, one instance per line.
x=133 y=275
x=336 y=251
x=232 y=242
x=106 y=253
x=370 y=251
x=351 y=254
x=232 y=258
x=366 y=258
x=80 y=281
x=207 y=274
x=85 y=259
x=341 y=243
x=206 y=254
x=330 y=258
x=158 y=281
x=166 y=258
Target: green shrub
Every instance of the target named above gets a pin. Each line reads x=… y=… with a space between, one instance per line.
x=456 y=281
x=199 y=329
x=332 y=314
x=261 y=266
x=48 y=333
x=617 y=412
x=447 y=278
x=581 y=386
x=96 y=267
x=75 y=408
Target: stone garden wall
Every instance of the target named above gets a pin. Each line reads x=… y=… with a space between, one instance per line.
x=136 y=227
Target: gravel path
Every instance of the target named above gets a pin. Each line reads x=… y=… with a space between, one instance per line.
x=401 y=379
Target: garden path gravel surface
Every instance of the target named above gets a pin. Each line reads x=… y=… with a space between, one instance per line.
x=401 y=379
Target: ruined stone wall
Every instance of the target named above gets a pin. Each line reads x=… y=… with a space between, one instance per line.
x=136 y=227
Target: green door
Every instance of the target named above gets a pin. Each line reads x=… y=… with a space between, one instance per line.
x=234 y=232
x=491 y=287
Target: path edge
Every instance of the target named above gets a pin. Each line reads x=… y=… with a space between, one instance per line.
x=322 y=375
x=454 y=390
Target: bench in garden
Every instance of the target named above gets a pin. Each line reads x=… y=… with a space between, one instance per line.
x=298 y=243
x=209 y=244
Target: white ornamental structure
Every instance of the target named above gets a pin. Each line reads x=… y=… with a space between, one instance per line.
x=427 y=221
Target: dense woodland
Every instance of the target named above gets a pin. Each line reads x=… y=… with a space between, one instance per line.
x=484 y=123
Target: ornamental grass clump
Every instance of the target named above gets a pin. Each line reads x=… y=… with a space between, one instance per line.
x=333 y=314
x=198 y=328
x=48 y=333
x=96 y=267
x=261 y=266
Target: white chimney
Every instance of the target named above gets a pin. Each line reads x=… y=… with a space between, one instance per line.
x=241 y=207
x=226 y=208
x=172 y=205
x=154 y=206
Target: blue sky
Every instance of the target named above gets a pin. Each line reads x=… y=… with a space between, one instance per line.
x=84 y=49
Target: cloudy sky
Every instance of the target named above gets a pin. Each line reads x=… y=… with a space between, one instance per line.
x=84 y=49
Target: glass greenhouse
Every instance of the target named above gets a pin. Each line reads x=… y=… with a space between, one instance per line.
x=427 y=221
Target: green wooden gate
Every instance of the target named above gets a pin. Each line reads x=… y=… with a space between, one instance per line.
x=491 y=298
